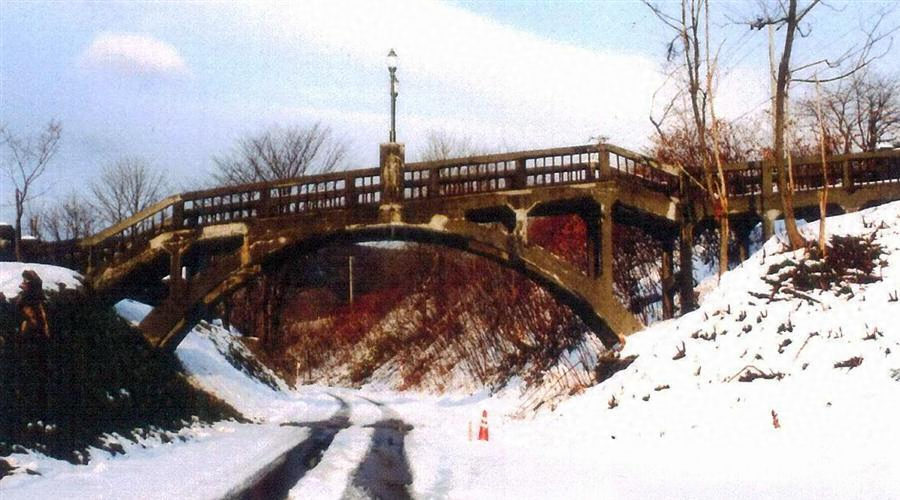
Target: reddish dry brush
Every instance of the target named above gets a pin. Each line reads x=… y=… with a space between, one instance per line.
x=438 y=312
x=565 y=236
x=849 y=260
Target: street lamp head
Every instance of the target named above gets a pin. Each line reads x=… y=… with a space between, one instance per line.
x=392 y=60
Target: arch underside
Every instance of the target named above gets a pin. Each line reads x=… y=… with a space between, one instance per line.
x=170 y=321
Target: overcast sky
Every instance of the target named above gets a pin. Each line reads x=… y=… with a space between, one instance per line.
x=177 y=83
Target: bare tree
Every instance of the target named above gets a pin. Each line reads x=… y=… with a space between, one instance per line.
x=441 y=145
x=281 y=153
x=860 y=113
x=790 y=16
x=877 y=118
x=691 y=43
x=125 y=188
x=830 y=115
x=28 y=159
x=823 y=194
x=70 y=219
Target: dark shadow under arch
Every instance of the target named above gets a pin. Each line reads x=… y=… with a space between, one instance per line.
x=580 y=305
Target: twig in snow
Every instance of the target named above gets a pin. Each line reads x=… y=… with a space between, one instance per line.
x=613 y=402
x=811 y=335
x=750 y=376
x=873 y=335
x=681 y=352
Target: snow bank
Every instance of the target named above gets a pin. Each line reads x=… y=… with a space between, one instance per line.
x=52 y=276
x=207 y=465
x=219 y=363
x=201 y=461
x=211 y=354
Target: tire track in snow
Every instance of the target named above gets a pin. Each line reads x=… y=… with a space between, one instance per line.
x=286 y=472
x=384 y=472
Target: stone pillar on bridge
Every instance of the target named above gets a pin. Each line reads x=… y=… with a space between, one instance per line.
x=177 y=283
x=392 y=160
x=742 y=228
x=521 y=229
x=768 y=222
x=846 y=176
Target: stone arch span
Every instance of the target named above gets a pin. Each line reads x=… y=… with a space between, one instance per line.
x=591 y=299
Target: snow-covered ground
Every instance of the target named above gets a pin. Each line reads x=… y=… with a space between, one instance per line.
x=52 y=277
x=662 y=428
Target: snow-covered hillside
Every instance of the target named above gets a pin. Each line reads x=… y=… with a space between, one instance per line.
x=757 y=394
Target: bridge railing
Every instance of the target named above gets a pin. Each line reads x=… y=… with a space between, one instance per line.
x=537 y=168
x=348 y=189
x=848 y=171
x=234 y=204
x=454 y=177
x=270 y=199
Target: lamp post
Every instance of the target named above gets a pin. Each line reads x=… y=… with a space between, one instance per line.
x=391 y=158
x=392 y=68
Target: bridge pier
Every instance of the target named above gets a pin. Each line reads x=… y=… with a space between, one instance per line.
x=686 y=265
x=667 y=278
x=520 y=231
x=768 y=219
x=178 y=285
x=742 y=228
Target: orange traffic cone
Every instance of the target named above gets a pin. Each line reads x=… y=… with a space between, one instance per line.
x=483 y=430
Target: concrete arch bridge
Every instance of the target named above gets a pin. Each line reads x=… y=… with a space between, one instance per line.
x=212 y=242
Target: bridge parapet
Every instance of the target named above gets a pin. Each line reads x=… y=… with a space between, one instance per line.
x=533 y=169
x=353 y=189
x=524 y=170
x=850 y=171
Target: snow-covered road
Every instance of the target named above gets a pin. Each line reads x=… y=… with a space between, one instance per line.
x=383 y=472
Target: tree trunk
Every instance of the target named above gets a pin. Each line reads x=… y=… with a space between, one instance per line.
x=823 y=195
x=784 y=190
x=724 y=236
x=20 y=201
